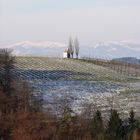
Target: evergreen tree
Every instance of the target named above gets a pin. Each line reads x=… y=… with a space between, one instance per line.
x=97 y=127
x=64 y=123
x=133 y=128
x=114 y=124
x=71 y=48
x=131 y=119
x=76 y=44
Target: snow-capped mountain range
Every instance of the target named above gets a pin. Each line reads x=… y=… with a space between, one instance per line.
x=46 y=48
x=118 y=49
x=110 y=49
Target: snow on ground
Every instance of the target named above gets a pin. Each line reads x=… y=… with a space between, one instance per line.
x=81 y=81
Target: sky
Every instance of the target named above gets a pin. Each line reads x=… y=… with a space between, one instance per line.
x=92 y=21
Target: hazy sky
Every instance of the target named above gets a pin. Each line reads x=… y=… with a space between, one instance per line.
x=54 y=20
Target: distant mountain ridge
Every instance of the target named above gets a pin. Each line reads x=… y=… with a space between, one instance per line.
x=130 y=60
x=114 y=49
x=107 y=50
x=46 y=48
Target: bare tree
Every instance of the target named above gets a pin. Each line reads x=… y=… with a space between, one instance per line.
x=76 y=45
x=71 y=48
x=6 y=69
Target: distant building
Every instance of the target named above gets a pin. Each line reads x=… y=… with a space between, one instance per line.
x=66 y=53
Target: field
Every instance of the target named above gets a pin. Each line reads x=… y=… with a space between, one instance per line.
x=82 y=81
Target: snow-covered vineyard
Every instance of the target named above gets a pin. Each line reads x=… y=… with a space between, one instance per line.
x=82 y=81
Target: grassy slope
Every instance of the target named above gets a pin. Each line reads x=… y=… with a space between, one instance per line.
x=72 y=69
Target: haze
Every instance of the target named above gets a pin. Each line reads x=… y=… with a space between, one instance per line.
x=55 y=20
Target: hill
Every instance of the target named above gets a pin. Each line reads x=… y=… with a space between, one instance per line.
x=130 y=60
x=81 y=81
x=64 y=69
